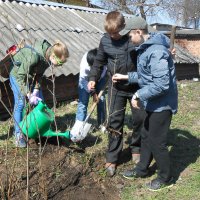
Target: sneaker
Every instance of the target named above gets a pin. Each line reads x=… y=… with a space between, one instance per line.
x=110 y=169
x=157 y=184
x=132 y=174
x=135 y=158
x=20 y=141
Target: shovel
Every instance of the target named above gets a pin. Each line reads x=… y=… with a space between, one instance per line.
x=81 y=128
x=172 y=37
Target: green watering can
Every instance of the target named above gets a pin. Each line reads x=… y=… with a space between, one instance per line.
x=38 y=122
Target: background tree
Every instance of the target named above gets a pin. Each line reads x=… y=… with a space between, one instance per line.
x=191 y=13
x=144 y=8
x=186 y=12
x=183 y=12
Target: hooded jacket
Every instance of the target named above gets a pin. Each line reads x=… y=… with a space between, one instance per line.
x=156 y=75
x=120 y=57
x=30 y=64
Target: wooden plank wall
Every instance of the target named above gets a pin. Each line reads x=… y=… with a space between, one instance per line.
x=187 y=71
x=66 y=89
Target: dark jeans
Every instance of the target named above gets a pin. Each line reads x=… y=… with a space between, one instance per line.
x=138 y=118
x=116 y=108
x=154 y=144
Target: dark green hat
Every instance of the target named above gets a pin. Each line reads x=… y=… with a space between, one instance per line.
x=133 y=24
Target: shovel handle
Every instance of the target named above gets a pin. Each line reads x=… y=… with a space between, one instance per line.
x=94 y=105
x=172 y=37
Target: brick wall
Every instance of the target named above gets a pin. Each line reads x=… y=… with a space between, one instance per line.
x=192 y=45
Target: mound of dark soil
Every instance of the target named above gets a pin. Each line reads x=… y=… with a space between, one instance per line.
x=56 y=173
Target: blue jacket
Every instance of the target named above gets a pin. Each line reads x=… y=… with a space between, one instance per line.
x=156 y=75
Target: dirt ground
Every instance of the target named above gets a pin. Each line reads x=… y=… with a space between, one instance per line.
x=59 y=172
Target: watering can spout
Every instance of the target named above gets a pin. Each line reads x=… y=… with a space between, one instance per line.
x=51 y=133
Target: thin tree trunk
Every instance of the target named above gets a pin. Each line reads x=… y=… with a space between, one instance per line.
x=142 y=12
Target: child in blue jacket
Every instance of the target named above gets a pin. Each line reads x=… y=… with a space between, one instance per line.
x=159 y=97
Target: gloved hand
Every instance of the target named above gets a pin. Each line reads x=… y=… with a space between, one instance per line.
x=34 y=100
x=34 y=97
x=36 y=92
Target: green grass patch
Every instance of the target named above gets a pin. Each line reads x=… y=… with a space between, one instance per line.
x=183 y=141
x=184 y=147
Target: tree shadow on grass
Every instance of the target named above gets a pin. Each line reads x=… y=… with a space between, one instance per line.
x=64 y=122
x=184 y=150
x=67 y=121
x=7 y=135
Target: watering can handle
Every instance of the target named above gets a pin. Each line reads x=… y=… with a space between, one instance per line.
x=41 y=105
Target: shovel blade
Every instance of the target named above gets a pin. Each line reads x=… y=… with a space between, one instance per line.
x=79 y=131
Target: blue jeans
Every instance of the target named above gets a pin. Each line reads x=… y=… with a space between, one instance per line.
x=19 y=103
x=84 y=95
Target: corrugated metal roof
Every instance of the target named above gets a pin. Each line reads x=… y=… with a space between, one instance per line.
x=49 y=3
x=186 y=32
x=32 y=16
x=79 y=27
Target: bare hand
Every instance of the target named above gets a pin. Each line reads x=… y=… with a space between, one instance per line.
x=117 y=77
x=91 y=85
x=135 y=103
x=173 y=52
